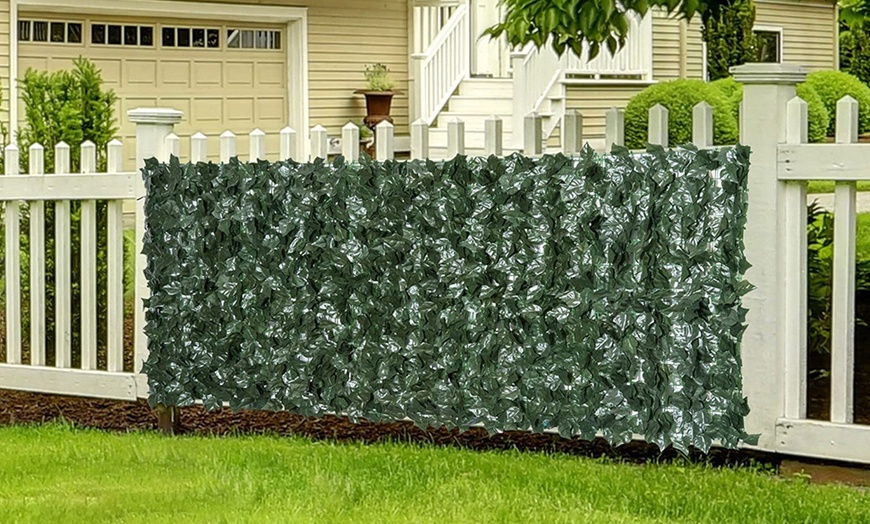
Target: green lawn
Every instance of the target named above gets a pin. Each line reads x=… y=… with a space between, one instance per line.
x=825 y=186
x=58 y=474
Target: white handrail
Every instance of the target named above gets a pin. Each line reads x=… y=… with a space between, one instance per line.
x=634 y=59
x=535 y=73
x=430 y=16
x=439 y=70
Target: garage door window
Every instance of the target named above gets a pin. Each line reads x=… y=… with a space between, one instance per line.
x=201 y=37
x=50 y=32
x=116 y=34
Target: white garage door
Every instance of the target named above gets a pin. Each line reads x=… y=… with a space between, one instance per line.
x=222 y=75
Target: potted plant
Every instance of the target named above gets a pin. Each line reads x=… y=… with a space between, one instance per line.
x=366 y=140
x=379 y=94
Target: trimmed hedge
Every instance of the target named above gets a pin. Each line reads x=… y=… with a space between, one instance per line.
x=581 y=293
x=817 y=114
x=831 y=86
x=679 y=97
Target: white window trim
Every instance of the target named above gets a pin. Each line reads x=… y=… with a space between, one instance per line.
x=773 y=29
x=295 y=19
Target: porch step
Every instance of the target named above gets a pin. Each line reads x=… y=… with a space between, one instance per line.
x=487 y=87
x=481 y=105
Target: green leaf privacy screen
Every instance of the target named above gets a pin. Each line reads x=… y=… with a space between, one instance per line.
x=586 y=294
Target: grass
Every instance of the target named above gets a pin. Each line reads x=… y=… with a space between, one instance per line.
x=56 y=473
x=827 y=186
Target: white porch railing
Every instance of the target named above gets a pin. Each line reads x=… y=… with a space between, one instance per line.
x=430 y=16
x=439 y=69
x=633 y=60
x=536 y=72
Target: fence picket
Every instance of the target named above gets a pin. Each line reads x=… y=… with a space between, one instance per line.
x=455 y=138
x=493 y=136
x=287 y=139
x=572 y=124
x=384 y=141
x=843 y=293
x=198 y=148
x=350 y=142
x=88 y=247
x=63 y=269
x=614 y=133
x=319 y=142
x=658 y=125
x=257 y=145
x=228 y=146
x=795 y=281
x=115 y=260
x=13 y=266
x=702 y=125
x=533 y=135
x=37 y=263
x=173 y=146
x=419 y=139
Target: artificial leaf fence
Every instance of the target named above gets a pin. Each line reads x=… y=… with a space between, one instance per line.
x=589 y=294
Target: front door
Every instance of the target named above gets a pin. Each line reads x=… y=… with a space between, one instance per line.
x=488 y=57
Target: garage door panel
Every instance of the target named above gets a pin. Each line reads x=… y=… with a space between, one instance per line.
x=38 y=63
x=271 y=110
x=207 y=110
x=208 y=74
x=175 y=73
x=141 y=73
x=110 y=70
x=240 y=111
x=240 y=74
x=271 y=74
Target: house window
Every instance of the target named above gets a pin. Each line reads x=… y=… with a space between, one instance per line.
x=769 y=44
x=53 y=32
x=253 y=39
x=199 y=37
x=117 y=34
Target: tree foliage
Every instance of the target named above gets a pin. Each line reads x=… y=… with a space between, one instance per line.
x=568 y=24
x=730 y=40
x=70 y=106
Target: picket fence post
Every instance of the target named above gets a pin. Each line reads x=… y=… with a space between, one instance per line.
x=153 y=125
x=767 y=90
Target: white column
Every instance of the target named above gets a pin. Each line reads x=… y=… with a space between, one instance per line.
x=152 y=127
x=766 y=92
x=521 y=104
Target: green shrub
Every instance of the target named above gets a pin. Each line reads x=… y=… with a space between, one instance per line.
x=831 y=86
x=679 y=97
x=732 y=90
x=818 y=117
x=855 y=52
x=69 y=106
x=817 y=114
x=730 y=40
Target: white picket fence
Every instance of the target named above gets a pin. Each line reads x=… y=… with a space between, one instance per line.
x=774 y=349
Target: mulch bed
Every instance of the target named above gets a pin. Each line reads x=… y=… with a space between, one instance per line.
x=22 y=408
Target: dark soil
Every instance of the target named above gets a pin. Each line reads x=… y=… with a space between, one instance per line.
x=22 y=408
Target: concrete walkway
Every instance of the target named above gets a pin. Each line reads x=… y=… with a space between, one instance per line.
x=826 y=200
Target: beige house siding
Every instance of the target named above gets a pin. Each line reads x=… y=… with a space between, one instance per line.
x=809 y=30
x=677 y=48
x=593 y=101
